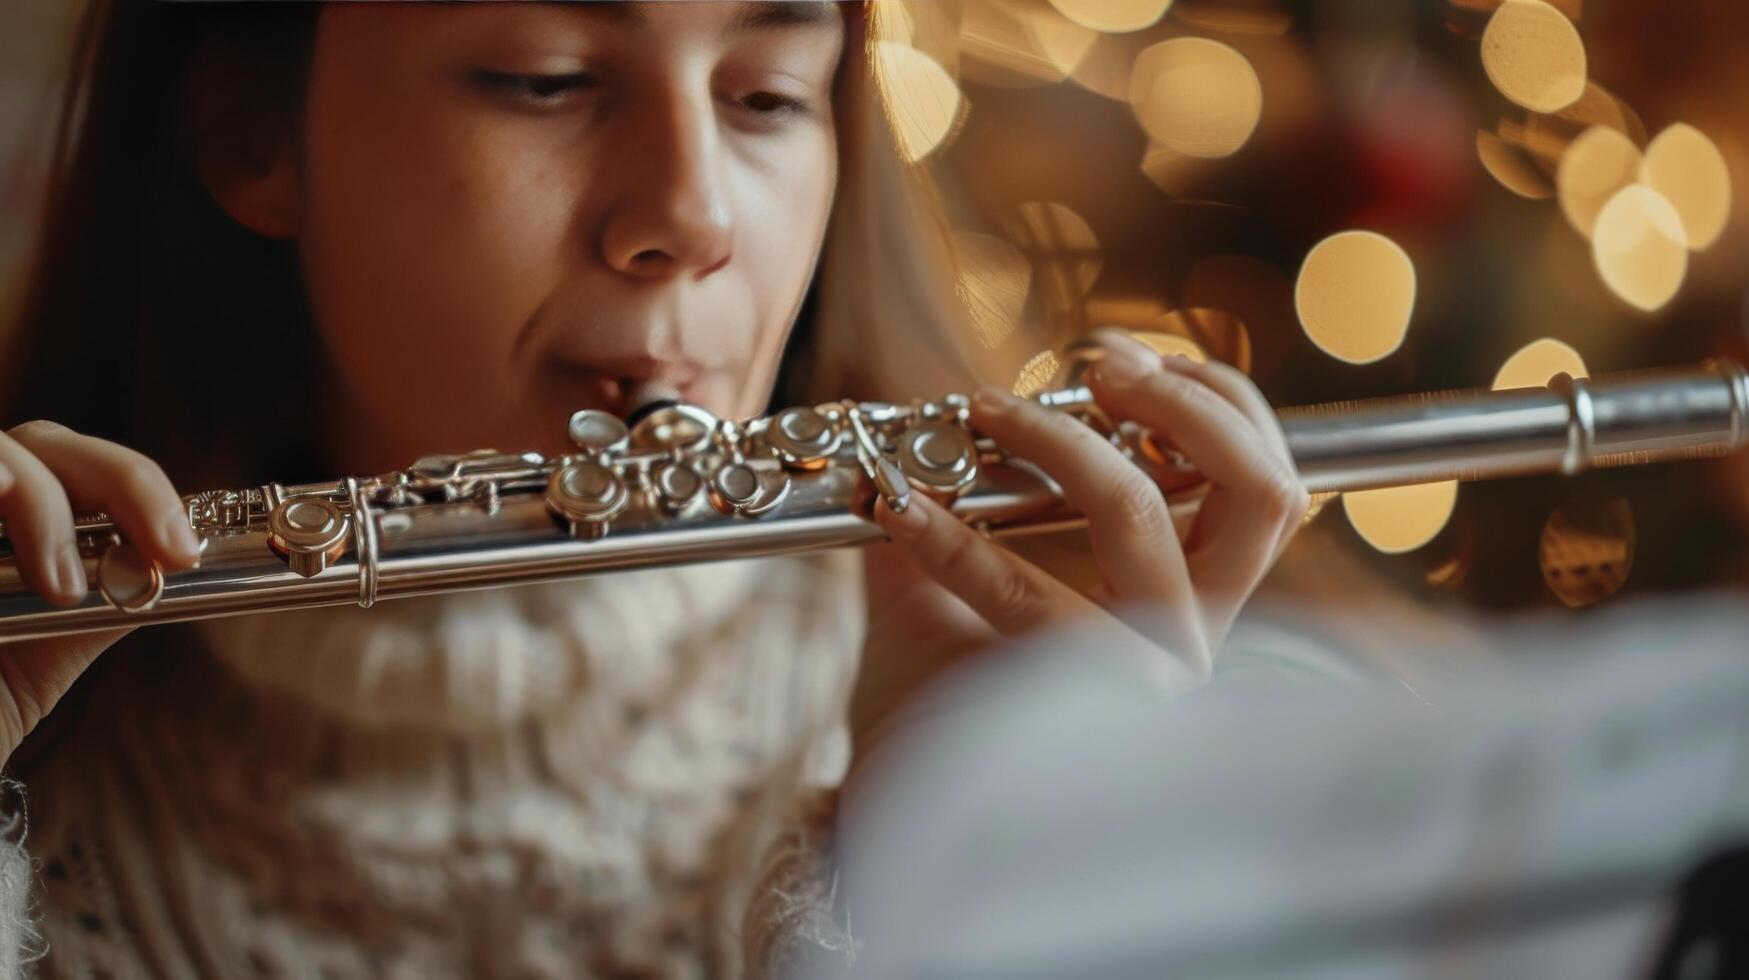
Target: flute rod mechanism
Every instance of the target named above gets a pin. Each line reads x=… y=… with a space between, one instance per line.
x=682 y=486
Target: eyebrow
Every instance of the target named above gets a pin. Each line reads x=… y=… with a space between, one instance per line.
x=764 y=16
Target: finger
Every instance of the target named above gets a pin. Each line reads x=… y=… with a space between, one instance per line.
x=126 y=485
x=39 y=523
x=1254 y=493
x=1013 y=596
x=1134 y=542
x=36 y=674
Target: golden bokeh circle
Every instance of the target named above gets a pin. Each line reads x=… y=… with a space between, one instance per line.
x=1113 y=16
x=1355 y=296
x=1593 y=169
x=1587 y=550
x=1396 y=520
x=1538 y=362
x=1195 y=96
x=1533 y=54
x=1640 y=248
x=1013 y=45
x=1684 y=166
x=922 y=100
x=1507 y=163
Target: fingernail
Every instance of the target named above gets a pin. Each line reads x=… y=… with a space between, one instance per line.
x=908 y=522
x=991 y=400
x=178 y=536
x=70 y=575
x=1125 y=364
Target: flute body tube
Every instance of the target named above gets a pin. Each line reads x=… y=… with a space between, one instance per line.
x=682 y=486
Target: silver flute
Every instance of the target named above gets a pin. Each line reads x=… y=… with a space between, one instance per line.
x=677 y=485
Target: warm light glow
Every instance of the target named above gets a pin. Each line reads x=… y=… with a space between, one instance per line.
x=1689 y=171
x=1399 y=519
x=1640 y=247
x=1595 y=167
x=1198 y=332
x=1265 y=17
x=1037 y=375
x=1197 y=97
x=1024 y=42
x=1537 y=363
x=1546 y=137
x=1063 y=249
x=1506 y=163
x=1534 y=56
x=1355 y=295
x=1171 y=345
x=993 y=280
x=1113 y=16
x=1587 y=550
x=921 y=98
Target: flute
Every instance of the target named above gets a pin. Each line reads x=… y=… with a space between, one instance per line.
x=678 y=485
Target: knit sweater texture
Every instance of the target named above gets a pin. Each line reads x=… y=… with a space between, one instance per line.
x=575 y=779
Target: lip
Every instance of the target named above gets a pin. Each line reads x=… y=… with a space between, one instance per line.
x=617 y=391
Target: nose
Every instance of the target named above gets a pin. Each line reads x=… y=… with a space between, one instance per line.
x=673 y=216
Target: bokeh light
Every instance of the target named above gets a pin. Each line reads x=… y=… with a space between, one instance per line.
x=1640 y=248
x=1508 y=164
x=1021 y=43
x=1256 y=17
x=1684 y=166
x=1396 y=520
x=922 y=100
x=1546 y=136
x=1534 y=56
x=993 y=280
x=1171 y=345
x=1595 y=167
x=1195 y=96
x=1587 y=550
x=1063 y=250
x=1114 y=16
x=1215 y=334
x=1037 y=374
x=1537 y=362
x=1355 y=295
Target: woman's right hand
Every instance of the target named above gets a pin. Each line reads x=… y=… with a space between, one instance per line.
x=47 y=470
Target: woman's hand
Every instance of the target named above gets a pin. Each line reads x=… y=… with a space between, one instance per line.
x=942 y=590
x=46 y=470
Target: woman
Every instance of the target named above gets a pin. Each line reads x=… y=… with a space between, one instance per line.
x=293 y=241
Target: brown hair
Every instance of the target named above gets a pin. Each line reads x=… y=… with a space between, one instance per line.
x=148 y=316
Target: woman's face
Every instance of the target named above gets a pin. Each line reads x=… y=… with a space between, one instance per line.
x=510 y=212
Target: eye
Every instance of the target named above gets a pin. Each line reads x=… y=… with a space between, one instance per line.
x=774 y=105
x=539 y=90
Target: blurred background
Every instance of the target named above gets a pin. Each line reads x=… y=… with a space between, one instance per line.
x=1349 y=198
x=1344 y=198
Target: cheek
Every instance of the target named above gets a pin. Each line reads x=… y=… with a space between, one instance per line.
x=781 y=249
x=427 y=248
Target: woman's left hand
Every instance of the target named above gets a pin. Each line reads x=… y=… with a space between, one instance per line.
x=941 y=587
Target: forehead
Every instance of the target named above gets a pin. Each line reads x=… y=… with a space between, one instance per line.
x=762 y=16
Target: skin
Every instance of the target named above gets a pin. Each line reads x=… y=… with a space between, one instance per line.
x=505 y=213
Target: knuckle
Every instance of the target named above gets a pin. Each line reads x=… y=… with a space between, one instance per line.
x=1011 y=596
x=37 y=429
x=1137 y=502
x=1284 y=496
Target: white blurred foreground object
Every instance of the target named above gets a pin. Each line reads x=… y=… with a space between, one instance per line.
x=1053 y=814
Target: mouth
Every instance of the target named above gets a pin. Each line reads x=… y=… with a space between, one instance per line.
x=587 y=386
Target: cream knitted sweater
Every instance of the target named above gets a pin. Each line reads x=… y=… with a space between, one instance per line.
x=564 y=780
